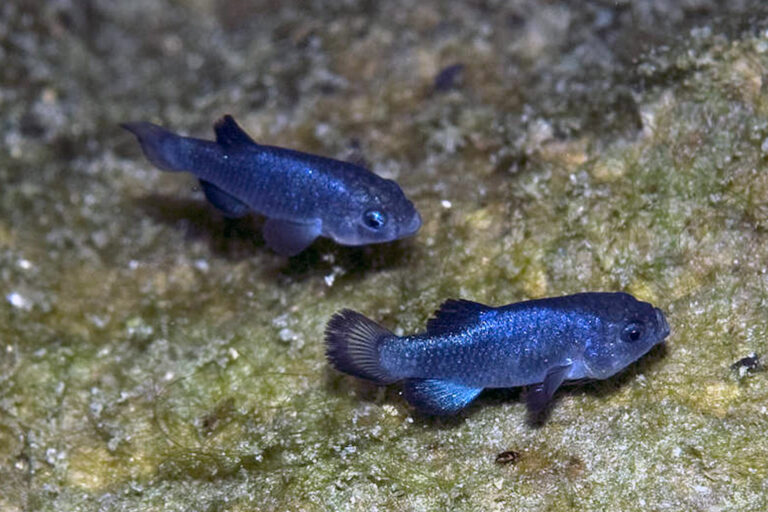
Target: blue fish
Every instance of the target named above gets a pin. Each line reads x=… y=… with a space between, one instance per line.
x=470 y=346
x=303 y=196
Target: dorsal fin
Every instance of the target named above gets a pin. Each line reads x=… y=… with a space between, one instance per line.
x=454 y=314
x=229 y=133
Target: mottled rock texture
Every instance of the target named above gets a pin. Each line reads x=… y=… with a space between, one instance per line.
x=155 y=356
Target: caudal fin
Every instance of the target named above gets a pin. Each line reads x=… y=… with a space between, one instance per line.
x=161 y=147
x=352 y=345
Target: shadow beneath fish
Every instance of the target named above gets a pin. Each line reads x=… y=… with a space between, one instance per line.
x=353 y=263
x=339 y=385
x=240 y=239
x=231 y=239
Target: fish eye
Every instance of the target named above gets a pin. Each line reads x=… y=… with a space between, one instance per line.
x=633 y=331
x=374 y=219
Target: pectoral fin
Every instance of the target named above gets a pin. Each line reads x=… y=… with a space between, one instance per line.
x=290 y=238
x=539 y=395
x=225 y=203
x=440 y=397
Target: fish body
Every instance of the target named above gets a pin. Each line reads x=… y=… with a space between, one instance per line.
x=302 y=195
x=468 y=347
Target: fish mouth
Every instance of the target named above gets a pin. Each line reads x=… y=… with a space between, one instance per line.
x=413 y=226
x=663 y=325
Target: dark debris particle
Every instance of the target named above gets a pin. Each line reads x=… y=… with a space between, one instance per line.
x=508 y=457
x=749 y=364
x=449 y=78
x=220 y=414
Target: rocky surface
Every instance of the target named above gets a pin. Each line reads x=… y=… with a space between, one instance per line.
x=154 y=355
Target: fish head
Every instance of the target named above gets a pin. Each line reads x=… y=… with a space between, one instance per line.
x=629 y=328
x=375 y=213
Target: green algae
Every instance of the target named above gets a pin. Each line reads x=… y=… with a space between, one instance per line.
x=157 y=356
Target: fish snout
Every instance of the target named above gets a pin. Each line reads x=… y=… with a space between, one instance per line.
x=413 y=225
x=663 y=325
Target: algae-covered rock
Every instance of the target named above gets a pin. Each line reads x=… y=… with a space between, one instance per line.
x=156 y=356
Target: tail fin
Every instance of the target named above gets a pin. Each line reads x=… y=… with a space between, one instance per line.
x=352 y=345
x=161 y=147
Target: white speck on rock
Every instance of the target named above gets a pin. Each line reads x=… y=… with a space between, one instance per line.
x=331 y=278
x=389 y=409
x=280 y=321
x=17 y=300
x=702 y=489
x=539 y=132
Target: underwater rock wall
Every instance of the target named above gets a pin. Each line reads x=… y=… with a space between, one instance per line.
x=154 y=355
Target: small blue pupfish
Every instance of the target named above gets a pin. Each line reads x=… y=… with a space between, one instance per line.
x=303 y=196
x=469 y=346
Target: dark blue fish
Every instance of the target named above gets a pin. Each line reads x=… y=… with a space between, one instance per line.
x=469 y=346
x=303 y=196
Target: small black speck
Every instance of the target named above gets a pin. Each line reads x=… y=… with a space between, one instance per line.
x=448 y=78
x=751 y=364
x=508 y=457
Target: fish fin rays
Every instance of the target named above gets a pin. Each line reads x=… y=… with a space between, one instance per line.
x=454 y=314
x=229 y=133
x=290 y=238
x=437 y=396
x=352 y=345
x=539 y=395
x=227 y=204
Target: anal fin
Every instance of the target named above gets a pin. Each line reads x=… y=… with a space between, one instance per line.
x=290 y=238
x=439 y=397
x=225 y=203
